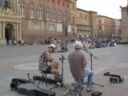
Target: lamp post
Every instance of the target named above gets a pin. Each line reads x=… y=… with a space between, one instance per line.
x=46 y=16
x=65 y=24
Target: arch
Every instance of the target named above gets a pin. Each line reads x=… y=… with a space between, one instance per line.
x=9 y=33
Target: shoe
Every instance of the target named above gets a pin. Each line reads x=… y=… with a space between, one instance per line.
x=89 y=89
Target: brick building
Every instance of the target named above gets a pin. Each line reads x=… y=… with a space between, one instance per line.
x=116 y=29
x=32 y=19
x=46 y=18
x=105 y=27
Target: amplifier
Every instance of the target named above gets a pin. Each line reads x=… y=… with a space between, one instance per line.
x=96 y=93
x=115 y=79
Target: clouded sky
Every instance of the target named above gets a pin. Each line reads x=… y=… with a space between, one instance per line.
x=109 y=8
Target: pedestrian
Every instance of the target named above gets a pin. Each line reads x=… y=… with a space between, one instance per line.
x=78 y=67
x=48 y=64
x=55 y=42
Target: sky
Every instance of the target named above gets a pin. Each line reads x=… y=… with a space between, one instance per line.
x=110 y=8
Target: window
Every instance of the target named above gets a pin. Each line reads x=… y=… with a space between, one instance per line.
x=63 y=3
x=53 y=0
x=47 y=13
x=31 y=11
x=21 y=8
x=67 y=5
x=40 y=11
x=58 y=1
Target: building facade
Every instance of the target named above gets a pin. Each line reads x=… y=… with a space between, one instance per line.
x=83 y=23
x=116 y=29
x=124 y=23
x=10 y=22
x=32 y=19
x=93 y=23
x=42 y=19
x=104 y=27
x=37 y=20
x=86 y=23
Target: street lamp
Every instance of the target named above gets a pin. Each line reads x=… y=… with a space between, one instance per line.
x=65 y=24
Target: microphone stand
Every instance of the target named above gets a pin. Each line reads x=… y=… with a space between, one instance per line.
x=62 y=58
x=91 y=57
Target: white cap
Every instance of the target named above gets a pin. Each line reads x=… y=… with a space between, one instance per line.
x=52 y=45
x=78 y=45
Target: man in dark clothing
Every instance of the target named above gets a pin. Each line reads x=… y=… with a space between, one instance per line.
x=78 y=63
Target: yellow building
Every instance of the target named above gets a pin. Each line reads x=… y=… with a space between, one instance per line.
x=10 y=22
x=83 y=23
x=86 y=23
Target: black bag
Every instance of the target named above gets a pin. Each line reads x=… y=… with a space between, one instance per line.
x=17 y=81
x=31 y=89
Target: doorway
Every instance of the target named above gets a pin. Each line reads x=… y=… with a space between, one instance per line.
x=9 y=34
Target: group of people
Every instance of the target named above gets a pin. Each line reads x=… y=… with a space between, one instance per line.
x=99 y=43
x=77 y=61
x=61 y=44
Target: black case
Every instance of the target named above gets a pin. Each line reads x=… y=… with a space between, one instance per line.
x=17 y=81
x=30 y=89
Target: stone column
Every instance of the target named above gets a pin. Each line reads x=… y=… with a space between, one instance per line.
x=20 y=33
x=0 y=30
x=17 y=31
x=3 y=30
x=2 y=38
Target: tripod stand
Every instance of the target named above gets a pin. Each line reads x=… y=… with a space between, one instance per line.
x=62 y=58
x=91 y=57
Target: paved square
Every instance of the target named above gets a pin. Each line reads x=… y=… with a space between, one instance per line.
x=17 y=61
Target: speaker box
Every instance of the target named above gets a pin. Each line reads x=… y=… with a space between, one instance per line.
x=116 y=79
x=96 y=93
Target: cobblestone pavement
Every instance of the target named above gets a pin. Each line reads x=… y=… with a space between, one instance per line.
x=17 y=61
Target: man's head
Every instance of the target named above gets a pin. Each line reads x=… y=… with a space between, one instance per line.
x=78 y=45
x=51 y=48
